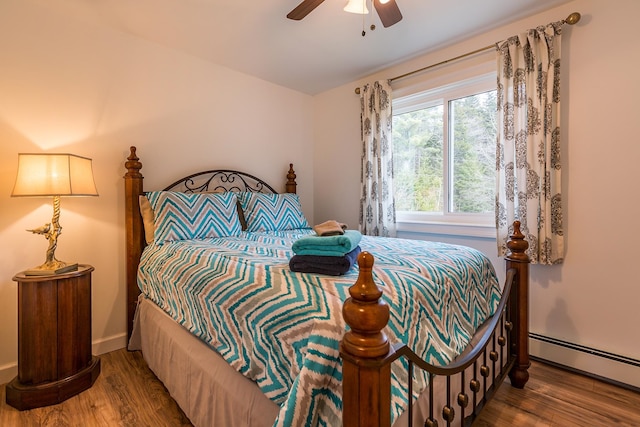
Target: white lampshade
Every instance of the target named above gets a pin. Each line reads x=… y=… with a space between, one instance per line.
x=357 y=6
x=49 y=174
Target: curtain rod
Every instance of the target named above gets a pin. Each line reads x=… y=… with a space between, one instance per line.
x=571 y=20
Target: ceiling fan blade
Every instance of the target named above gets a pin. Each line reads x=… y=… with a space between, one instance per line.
x=389 y=12
x=303 y=9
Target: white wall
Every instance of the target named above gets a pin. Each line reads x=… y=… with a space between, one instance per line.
x=68 y=84
x=592 y=298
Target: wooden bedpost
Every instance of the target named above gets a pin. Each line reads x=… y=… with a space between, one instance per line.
x=291 y=180
x=366 y=373
x=134 y=231
x=518 y=259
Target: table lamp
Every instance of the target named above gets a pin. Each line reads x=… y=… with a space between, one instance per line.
x=53 y=174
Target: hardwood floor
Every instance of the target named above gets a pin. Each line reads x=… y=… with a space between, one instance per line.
x=125 y=394
x=128 y=394
x=555 y=397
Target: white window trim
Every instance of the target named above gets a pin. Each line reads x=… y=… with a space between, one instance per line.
x=430 y=97
x=457 y=224
x=447 y=228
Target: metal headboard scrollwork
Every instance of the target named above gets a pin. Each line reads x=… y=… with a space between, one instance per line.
x=221 y=180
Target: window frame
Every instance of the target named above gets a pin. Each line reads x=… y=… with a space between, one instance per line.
x=439 y=93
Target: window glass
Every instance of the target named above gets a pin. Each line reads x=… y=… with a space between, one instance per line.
x=473 y=153
x=444 y=142
x=418 y=156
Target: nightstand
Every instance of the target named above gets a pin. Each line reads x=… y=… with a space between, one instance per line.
x=54 y=339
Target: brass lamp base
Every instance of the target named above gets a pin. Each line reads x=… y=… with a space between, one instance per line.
x=50 y=268
x=51 y=231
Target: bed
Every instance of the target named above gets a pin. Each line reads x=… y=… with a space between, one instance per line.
x=238 y=338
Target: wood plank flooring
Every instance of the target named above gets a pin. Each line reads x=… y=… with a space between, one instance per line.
x=127 y=394
x=555 y=397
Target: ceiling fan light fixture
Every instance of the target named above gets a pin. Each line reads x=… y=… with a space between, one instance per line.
x=357 y=6
x=384 y=1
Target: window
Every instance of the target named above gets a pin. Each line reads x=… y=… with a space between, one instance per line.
x=444 y=142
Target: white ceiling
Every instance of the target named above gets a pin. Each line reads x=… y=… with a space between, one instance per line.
x=320 y=52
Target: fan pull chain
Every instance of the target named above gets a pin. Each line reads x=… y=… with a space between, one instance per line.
x=372 y=26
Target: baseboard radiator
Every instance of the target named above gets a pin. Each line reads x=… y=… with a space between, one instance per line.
x=593 y=355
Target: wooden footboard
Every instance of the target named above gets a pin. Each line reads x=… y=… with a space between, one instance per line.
x=367 y=354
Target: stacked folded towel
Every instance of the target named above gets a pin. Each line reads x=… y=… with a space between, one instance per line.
x=330 y=228
x=333 y=254
x=331 y=265
x=339 y=245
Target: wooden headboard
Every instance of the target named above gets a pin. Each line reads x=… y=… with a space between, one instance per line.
x=207 y=181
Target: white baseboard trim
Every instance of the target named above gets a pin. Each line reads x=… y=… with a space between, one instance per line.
x=8 y=372
x=109 y=344
x=101 y=346
x=590 y=361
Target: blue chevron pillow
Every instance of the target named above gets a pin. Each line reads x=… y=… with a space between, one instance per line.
x=272 y=212
x=182 y=216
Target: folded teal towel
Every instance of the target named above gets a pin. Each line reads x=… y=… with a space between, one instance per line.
x=339 y=245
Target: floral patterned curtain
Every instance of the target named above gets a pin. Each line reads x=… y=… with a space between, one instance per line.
x=528 y=150
x=377 y=205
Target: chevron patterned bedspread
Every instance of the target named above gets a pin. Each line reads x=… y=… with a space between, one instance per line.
x=281 y=329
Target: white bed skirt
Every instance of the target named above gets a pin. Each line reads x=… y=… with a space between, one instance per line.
x=213 y=394
x=208 y=390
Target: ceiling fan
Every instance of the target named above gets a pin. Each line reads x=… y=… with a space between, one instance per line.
x=388 y=11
